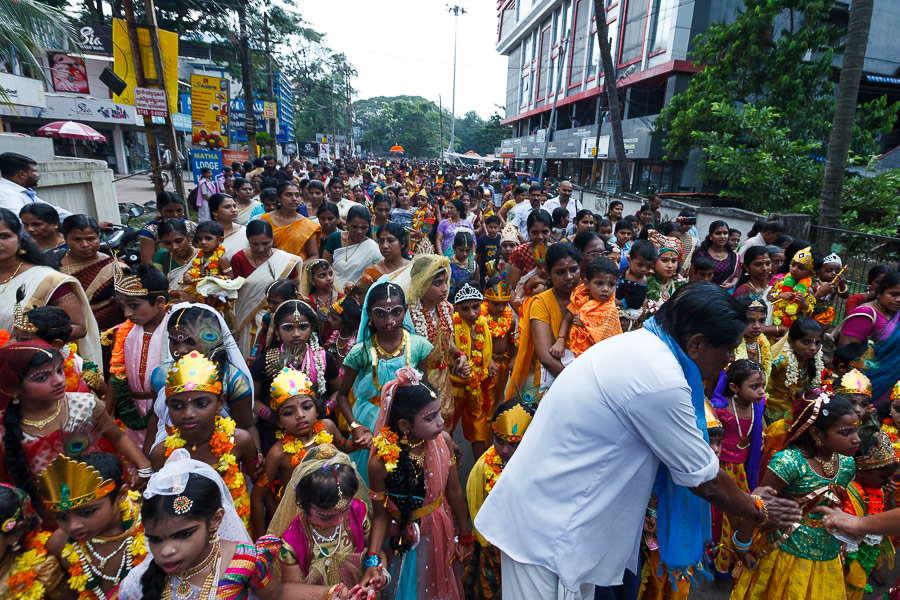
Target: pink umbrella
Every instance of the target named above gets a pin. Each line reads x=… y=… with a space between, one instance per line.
x=72 y=130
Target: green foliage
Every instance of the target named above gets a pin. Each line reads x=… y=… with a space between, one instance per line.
x=761 y=163
x=871 y=202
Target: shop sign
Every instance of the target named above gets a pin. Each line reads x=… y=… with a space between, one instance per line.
x=308 y=149
x=203 y=159
x=23 y=91
x=88 y=109
x=589 y=148
x=95 y=38
x=150 y=102
x=209 y=111
x=230 y=156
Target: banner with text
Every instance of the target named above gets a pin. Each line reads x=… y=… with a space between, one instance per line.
x=209 y=111
x=203 y=159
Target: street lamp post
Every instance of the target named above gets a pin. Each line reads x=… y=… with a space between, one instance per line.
x=456 y=10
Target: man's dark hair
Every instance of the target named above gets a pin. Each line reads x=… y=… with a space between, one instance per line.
x=772 y=227
x=705 y=308
x=11 y=163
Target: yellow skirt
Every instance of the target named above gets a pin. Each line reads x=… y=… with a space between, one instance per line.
x=783 y=576
x=725 y=556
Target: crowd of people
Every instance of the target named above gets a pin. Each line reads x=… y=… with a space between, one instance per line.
x=264 y=406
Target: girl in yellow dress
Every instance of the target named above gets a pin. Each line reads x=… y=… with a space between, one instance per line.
x=815 y=465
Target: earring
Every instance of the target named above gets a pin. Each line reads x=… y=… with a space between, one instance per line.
x=214 y=535
x=21 y=252
x=817 y=442
x=15 y=400
x=404 y=440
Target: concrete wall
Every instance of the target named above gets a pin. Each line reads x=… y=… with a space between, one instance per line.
x=76 y=184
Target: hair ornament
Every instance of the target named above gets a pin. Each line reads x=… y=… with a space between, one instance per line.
x=880 y=455
x=127 y=285
x=499 y=292
x=895 y=391
x=666 y=244
x=287 y=384
x=511 y=424
x=468 y=292
x=712 y=421
x=757 y=304
x=854 y=382
x=510 y=233
x=193 y=373
x=66 y=484
x=20 y=321
x=182 y=505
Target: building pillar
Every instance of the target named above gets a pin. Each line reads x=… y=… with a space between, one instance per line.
x=119 y=147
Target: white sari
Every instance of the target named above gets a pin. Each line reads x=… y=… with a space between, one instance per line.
x=177 y=274
x=235 y=241
x=251 y=301
x=350 y=262
x=244 y=214
x=40 y=283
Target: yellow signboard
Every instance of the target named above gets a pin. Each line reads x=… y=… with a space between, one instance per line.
x=270 y=110
x=124 y=63
x=209 y=111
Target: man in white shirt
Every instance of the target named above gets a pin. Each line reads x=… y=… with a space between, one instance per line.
x=768 y=233
x=18 y=177
x=568 y=511
x=518 y=215
x=564 y=200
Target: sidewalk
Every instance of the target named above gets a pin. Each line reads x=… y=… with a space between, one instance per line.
x=139 y=189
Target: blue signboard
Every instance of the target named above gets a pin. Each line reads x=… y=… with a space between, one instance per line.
x=201 y=159
x=284 y=95
x=238 y=117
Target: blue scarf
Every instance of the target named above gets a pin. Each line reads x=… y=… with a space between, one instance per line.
x=684 y=523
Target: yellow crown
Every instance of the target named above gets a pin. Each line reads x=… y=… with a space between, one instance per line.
x=510 y=425
x=287 y=384
x=499 y=292
x=854 y=382
x=66 y=484
x=711 y=419
x=20 y=321
x=805 y=258
x=895 y=393
x=880 y=455
x=129 y=285
x=193 y=373
x=509 y=234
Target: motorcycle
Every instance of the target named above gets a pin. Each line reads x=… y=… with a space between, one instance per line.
x=123 y=240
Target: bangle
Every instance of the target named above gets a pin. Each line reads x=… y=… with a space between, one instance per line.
x=354 y=425
x=371 y=560
x=330 y=592
x=145 y=473
x=265 y=413
x=739 y=545
x=761 y=506
x=467 y=540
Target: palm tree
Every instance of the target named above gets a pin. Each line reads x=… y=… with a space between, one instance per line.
x=844 y=115
x=29 y=28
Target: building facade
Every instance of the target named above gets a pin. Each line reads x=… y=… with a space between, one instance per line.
x=552 y=50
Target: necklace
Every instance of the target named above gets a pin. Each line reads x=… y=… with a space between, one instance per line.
x=743 y=439
x=384 y=353
x=183 y=589
x=324 y=539
x=829 y=468
x=43 y=422
x=11 y=277
x=316 y=537
x=102 y=560
x=417 y=459
x=349 y=253
x=416 y=445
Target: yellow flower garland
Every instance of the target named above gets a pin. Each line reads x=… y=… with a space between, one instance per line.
x=387 y=449
x=297 y=448
x=499 y=327
x=221 y=445
x=472 y=347
x=23 y=579
x=493 y=467
x=212 y=267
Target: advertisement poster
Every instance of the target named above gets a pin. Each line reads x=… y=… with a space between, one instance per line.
x=124 y=64
x=150 y=102
x=67 y=73
x=202 y=159
x=209 y=111
x=230 y=156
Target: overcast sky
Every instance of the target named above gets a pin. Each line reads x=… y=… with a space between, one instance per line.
x=405 y=47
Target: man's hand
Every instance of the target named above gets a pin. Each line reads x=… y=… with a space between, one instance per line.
x=782 y=511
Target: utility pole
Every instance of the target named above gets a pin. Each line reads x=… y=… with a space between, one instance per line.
x=348 y=73
x=441 y=119
x=333 y=128
x=562 y=52
x=246 y=81
x=456 y=10
x=273 y=124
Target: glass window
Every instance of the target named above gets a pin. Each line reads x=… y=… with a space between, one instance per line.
x=661 y=14
x=633 y=30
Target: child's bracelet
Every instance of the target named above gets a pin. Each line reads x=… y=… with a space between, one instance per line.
x=739 y=545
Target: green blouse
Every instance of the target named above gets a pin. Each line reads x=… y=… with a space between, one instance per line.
x=809 y=541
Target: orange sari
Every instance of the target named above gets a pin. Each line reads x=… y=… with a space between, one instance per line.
x=292 y=238
x=542 y=307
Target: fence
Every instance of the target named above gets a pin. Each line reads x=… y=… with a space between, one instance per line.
x=859 y=252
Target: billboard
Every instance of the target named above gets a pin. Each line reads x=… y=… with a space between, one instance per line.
x=201 y=159
x=124 y=63
x=67 y=73
x=209 y=111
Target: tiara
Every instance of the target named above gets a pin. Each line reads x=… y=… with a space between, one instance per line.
x=804 y=257
x=881 y=455
x=193 y=373
x=757 y=303
x=129 y=285
x=833 y=258
x=895 y=392
x=468 y=292
x=20 y=321
x=499 y=292
x=854 y=382
x=66 y=484
x=510 y=425
x=287 y=384
x=509 y=233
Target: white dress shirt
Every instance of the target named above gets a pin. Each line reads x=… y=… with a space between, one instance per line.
x=572 y=207
x=13 y=197
x=518 y=216
x=573 y=497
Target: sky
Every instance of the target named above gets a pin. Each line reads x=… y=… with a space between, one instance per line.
x=405 y=47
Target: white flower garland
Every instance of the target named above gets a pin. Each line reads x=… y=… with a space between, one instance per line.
x=792 y=374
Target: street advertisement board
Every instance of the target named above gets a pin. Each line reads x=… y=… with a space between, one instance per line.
x=67 y=73
x=209 y=111
x=150 y=102
x=124 y=62
x=201 y=159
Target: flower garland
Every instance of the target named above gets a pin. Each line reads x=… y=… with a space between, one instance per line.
x=83 y=577
x=221 y=445
x=493 y=467
x=297 y=448
x=387 y=449
x=419 y=219
x=73 y=381
x=23 y=580
x=126 y=409
x=212 y=267
x=501 y=326
x=472 y=347
x=893 y=434
x=792 y=374
x=765 y=351
x=657 y=293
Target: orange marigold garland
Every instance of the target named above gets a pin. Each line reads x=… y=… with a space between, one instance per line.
x=887 y=426
x=473 y=348
x=501 y=326
x=221 y=445
x=23 y=579
x=297 y=448
x=387 y=449
x=212 y=267
x=493 y=467
x=126 y=409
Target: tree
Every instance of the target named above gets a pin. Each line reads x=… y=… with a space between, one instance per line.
x=844 y=114
x=612 y=95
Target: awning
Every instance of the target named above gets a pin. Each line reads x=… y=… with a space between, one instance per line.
x=883 y=79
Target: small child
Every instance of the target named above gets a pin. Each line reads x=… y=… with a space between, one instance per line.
x=509 y=241
x=734 y=238
x=790 y=297
x=462 y=262
x=702 y=269
x=278 y=293
x=739 y=403
x=488 y=247
x=210 y=260
x=624 y=236
x=631 y=288
x=317 y=287
x=472 y=337
x=504 y=336
x=32 y=572
x=845 y=358
x=604 y=230
x=830 y=286
x=560 y=218
x=857 y=388
x=592 y=315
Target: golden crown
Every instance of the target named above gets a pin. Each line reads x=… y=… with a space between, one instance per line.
x=854 y=382
x=498 y=292
x=66 y=484
x=128 y=285
x=511 y=424
x=20 y=321
x=287 y=384
x=509 y=234
x=712 y=421
x=193 y=373
x=895 y=392
x=804 y=258
x=757 y=304
x=880 y=455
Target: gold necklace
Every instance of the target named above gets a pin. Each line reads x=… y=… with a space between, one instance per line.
x=11 y=277
x=43 y=422
x=417 y=459
x=384 y=353
x=829 y=469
